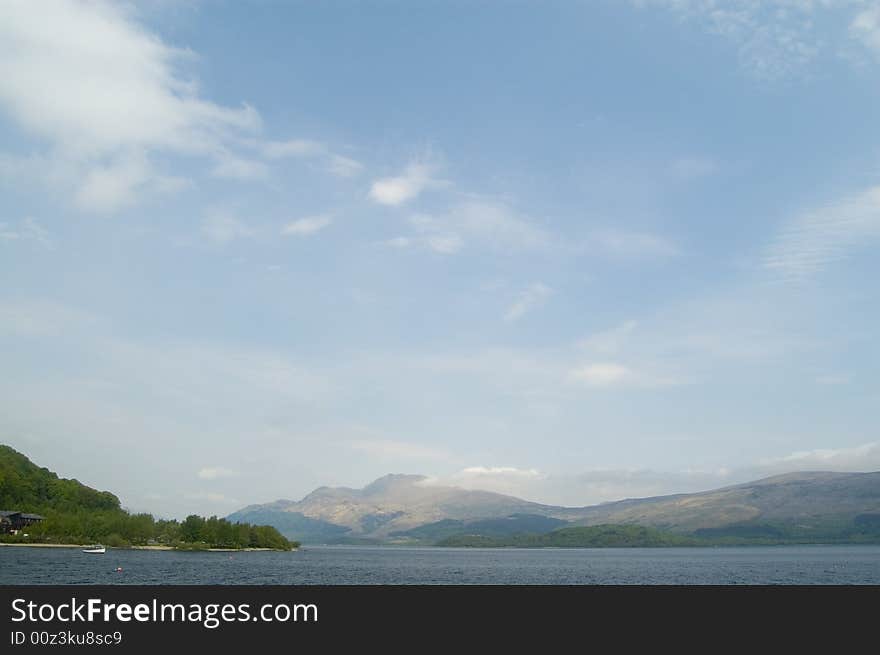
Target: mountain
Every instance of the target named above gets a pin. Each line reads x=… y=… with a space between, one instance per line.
x=388 y=507
x=804 y=499
x=408 y=509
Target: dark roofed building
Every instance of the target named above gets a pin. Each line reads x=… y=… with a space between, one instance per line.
x=12 y=521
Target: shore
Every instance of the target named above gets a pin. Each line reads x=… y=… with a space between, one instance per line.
x=44 y=545
x=205 y=550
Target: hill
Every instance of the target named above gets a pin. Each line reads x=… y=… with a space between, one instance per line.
x=792 y=508
x=76 y=513
x=807 y=501
x=386 y=509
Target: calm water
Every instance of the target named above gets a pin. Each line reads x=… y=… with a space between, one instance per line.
x=378 y=565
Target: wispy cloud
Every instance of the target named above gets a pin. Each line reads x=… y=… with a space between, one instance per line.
x=306 y=226
x=818 y=238
x=858 y=458
x=611 y=341
x=500 y=470
x=775 y=38
x=603 y=374
x=106 y=94
x=865 y=27
x=400 y=189
x=529 y=299
x=614 y=375
x=26 y=230
x=215 y=473
x=321 y=153
x=239 y=168
x=474 y=223
x=499 y=479
x=223 y=227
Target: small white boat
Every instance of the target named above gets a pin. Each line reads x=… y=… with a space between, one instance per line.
x=97 y=549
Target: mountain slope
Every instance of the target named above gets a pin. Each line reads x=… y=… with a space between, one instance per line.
x=407 y=508
x=806 y=497
x=392 y=504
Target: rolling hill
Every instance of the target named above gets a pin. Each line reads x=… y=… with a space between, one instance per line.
x=807 y=506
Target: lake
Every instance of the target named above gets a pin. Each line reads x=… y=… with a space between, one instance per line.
x=369 y=565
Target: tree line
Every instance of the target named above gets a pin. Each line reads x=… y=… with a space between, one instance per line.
x=75 y=513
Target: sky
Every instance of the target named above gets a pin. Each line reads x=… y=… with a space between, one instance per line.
x=572 y=251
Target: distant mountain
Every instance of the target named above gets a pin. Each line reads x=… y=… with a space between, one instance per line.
x=408 y=509
x=802 y=499
x=391 y=505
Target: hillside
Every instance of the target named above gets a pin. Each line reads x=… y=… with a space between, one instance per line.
x=796 y=507
x=23 y=484
x=389 y=505
x=75 y=513
x=803 y=499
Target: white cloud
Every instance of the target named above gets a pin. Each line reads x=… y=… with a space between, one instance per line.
x=859 y=458
x=26 y=230
x=499 y=479
x=528 y=300
x=292 y=148
x=605 y=374
x=479 y=223
x=491 y=224
x=330 y=161
x=215 y=473
x=239 y=168
x=818 y=238
x=306 y=226
x=446 y=244
x=431 y=235
x=617 y=375
x=394 y=191
x=104 y=94
x=776 y=38
x=496 y=225
x=865 y=27
x=122 y=182
x=609 y=342
x=500 y=470
x=222 y=227
x=343 y=166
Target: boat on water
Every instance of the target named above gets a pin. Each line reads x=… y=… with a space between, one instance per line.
x=97 y=549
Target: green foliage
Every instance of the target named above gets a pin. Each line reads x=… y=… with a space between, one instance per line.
x=597 y=536
x=515 y=524
x=864 y=528
x=75 y=513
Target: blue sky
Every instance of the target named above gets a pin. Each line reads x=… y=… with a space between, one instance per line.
x=574 y=251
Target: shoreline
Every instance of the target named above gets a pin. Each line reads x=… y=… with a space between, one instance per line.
x=156 y=547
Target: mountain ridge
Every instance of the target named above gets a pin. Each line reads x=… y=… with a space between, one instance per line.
x=402 y=507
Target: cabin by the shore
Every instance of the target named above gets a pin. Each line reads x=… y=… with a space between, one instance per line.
x=11 y=522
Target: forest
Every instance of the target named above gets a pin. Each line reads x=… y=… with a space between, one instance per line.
x=77 y=514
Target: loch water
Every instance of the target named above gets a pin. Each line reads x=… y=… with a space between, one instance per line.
x=366 y=565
